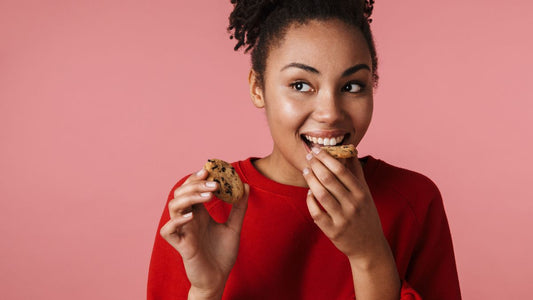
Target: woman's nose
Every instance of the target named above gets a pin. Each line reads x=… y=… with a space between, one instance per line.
x=328 y=108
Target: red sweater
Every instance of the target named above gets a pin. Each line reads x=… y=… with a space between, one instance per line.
x=284 y=255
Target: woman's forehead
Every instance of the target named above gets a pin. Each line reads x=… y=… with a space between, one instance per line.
x=321 y=43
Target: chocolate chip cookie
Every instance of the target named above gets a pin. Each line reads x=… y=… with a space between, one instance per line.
x=231 y=187
x=342 y=151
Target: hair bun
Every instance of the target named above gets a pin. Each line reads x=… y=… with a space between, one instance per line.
x=247 y=18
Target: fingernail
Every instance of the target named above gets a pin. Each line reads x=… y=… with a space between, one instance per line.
x=188 y=215
x=205 y=194
x=308 y=156
x=306 y=171
x=199 y=173
x=316 y=150
x=309 y=192
x=211 y=184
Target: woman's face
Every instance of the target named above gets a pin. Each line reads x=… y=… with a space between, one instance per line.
x=317 y=91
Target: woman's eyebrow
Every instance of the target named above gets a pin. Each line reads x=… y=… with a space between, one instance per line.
x=301 y=66
x=307 y=68
x=354 y=69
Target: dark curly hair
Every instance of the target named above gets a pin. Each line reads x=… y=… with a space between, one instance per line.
x=259 y=24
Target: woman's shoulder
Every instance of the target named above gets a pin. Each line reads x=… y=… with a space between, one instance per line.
x=400 y=176
x=417 y=189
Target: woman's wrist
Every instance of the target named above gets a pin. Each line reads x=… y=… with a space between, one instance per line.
x=378 y=256
x=376 y=276
x=198 y=294
x=378 y=263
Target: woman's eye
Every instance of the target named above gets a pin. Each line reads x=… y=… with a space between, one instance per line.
x=353 y=87
x=301 y=86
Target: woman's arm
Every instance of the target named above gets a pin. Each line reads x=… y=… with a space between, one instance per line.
x=376 y=277
x=341 y=204
x=194 y=255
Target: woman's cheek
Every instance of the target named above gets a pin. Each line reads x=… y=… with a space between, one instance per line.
x=289 y=107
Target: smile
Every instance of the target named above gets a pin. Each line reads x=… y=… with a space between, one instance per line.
x=323 y=141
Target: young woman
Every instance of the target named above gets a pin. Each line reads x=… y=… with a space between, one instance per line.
x=309 y=226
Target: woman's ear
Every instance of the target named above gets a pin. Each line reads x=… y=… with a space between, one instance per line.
x=256 y=91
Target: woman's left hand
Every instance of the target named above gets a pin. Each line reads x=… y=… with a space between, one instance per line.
x=340 y=203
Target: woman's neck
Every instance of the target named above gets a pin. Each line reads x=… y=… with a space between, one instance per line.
x=280 y=171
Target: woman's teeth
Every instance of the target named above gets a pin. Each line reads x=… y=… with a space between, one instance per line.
x=325 y=141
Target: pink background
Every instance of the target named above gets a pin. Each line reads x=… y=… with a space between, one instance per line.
x=104 y=106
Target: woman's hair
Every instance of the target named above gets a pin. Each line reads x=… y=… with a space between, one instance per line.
x=260 y=24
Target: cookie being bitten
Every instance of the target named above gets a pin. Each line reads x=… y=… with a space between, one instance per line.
x=342 y=151
x=231 y=187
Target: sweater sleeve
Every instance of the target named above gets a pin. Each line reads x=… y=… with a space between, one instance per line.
x=432 y=271
x=166 y=276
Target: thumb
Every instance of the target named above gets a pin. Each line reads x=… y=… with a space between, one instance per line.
x=236 y=215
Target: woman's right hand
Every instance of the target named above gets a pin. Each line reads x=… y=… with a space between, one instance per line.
x=208 y=249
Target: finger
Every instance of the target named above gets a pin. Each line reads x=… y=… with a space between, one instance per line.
x=236 y=215
x=330 y=204
x=171 y=231
x=321 y=218
x=349 y=180
x=200 y=175
x=184 y=204
x=328 y=170
x=198 y=186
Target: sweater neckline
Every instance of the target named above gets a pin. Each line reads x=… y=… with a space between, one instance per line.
x=254 y=178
